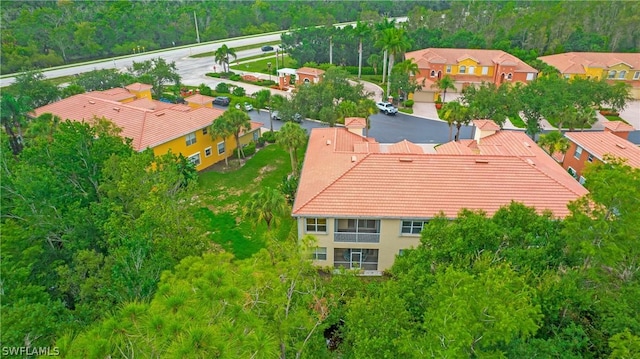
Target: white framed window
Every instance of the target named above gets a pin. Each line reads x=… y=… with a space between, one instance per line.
x=636 y=75
x=319 y=254
x=413 y=227
x=612 y=74
x=472 y=70
x=194 y=158
x=590 y=158
x=401 y=252
x=578 y=152
x=582 y=180
x=207 y=152
x=509 y=76
x=462 y=69
x=530 y=76
x=567 y=77
x=432 y=73
x=221 y=148
x=316 y=225
x=205 y=130
x=448 y=70
x=485 y=70
x=191 y=139
x=571 y=171
x=622 y=74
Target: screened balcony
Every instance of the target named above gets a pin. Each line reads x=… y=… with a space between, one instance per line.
x=357 y=231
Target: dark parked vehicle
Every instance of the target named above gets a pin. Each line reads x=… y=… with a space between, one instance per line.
x=296 y=117
x=221 y=101
x=267 y=48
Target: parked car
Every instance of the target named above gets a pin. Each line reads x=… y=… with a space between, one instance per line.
x=297 y=118
x=221 y=101
x=246 y=106
x=386 y=108
x=267 y=48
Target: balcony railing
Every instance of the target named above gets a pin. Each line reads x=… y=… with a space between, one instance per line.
x=349 y=265
x=351 y=237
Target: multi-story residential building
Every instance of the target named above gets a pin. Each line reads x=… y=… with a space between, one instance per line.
x=366 y=201
x=615 y=67
x=154 y=124
x=303 y=75
x=466 y=67
x=593 y=147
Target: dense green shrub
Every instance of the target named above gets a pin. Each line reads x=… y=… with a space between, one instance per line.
x=239 y=91
x=222 y=88
x=213 y=74
x=250 y=149
x=235 y=77
x=269 y=136
x=265 y=83
x=408 y=103
x=205 y=90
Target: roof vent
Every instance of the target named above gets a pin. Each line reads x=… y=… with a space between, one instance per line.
x=529 y=161
x=328 y=142
x=160 y=114
x=353 y=158
x=92 y=102
x=621 y=146
x=482 y=161
x=117 y=109
x=526 y=144
x=405 y=159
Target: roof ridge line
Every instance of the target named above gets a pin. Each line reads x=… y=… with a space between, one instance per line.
x=539 y=169
x=333 y=182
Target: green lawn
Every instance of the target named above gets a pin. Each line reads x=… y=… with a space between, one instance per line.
x=261 y=65
x=616 y=118
x=224 y=194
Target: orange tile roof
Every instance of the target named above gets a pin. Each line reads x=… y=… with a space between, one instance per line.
x=137 y=86
x=336 y=181
x=577 y=62
x=482 y=57
x=618 y=126
x=600 y=144
x=148 y=123
x=355 y=122
x=200 y=99
x=487 y=125
x=114 y=94
x=310 y=71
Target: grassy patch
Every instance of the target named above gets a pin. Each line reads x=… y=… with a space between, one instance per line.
x=615 y=118
x=261 y=65
x=236 y=49
x=406 y=110
x=376 y=79
x=225 y=193
x=517 y=121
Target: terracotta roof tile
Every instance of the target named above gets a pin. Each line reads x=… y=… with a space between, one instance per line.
x=336 y=181
x=487 y=125
x=355 y=122
x=200 y=99
x=600 y=144
x=404 y=146
x=310 y=71
x=482 y=57
x=576 y=62
x=138 y=87
x=618 y=126
x=148 y=123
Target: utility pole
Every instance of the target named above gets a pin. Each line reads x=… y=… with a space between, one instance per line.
x=195 y=19
x=330 y=50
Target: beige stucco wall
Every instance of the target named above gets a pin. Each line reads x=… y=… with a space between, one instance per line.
x=391 y=242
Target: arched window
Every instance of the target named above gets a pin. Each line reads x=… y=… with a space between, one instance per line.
x=472 y=70
x=306 y=81
x=433 y=73
x=463 y=69
x=509 y=76
x=612 y=74
x=622 y=74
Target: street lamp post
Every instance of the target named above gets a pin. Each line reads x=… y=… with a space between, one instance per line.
x=269 y=68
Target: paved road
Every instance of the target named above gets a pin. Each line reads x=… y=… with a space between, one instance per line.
x=387 y=129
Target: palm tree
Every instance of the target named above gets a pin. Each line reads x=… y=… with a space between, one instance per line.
x=13 y=114
x=374 y=61
x=395 y=41
x=380 y=27
x=360 y=30
x=291 y=136
x=220 y=129
x=267 y=205
x=222 y=56
x=263 y=100
x=456 y=114
x=554 y=142
x=443 y=84
x=585 y=116
x=366 y=108
x=238 y=121
x=408 y=68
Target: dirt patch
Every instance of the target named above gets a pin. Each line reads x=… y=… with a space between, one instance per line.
x=264 y=170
